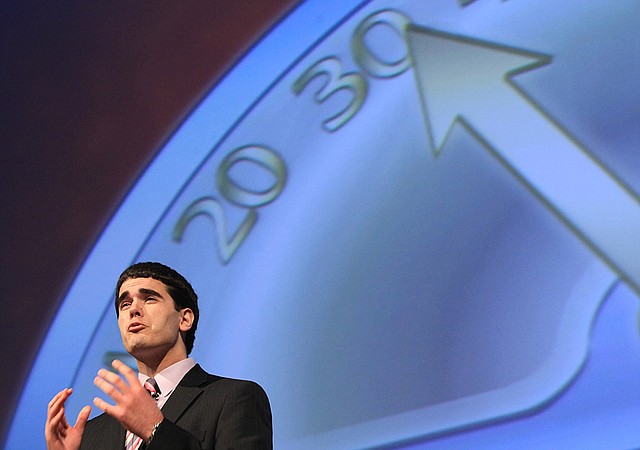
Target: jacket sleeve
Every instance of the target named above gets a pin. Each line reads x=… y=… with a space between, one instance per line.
x=245 y=419
x=242 y=422
x=170 y=436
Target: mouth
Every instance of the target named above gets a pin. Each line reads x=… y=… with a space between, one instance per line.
x=135 y=327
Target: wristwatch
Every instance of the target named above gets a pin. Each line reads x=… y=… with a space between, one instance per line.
x=148 y=440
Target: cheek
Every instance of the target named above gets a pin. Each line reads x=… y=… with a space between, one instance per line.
x=163 y=322
x=121 y=324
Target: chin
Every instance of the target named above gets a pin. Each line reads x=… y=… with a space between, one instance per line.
x=133 y=346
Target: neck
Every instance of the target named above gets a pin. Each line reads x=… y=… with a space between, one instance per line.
x=150 y=365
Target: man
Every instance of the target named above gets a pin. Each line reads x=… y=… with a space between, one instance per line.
x=157 y=312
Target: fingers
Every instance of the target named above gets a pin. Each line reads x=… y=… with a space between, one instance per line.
x=55 y=423
x=104 y=406
x=55 y=412
x=83 y=416
x=58 y=433
x=59 y=424
x=125 y=370
x=115 y=387
x=58 y=400
x=110 y=383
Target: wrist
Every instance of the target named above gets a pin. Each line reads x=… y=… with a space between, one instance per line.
x=148 y=440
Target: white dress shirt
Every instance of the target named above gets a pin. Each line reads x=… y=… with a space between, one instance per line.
x=169 y=378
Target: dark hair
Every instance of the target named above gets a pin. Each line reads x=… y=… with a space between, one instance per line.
x=178 y=287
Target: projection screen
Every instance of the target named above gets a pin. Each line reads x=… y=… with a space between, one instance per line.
x=415 y=223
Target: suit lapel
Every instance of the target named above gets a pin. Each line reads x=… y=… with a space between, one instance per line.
x=185 y=393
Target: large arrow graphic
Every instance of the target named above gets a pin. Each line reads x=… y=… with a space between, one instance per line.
x=469 y=82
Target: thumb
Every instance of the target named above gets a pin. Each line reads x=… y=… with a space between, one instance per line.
x=83 y=416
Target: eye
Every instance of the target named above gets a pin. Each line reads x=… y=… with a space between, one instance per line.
x=125 y=304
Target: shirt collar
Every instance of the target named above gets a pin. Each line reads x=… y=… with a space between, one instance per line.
x=169 y=378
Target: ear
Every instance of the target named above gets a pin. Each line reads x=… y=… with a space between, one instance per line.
x=186 y=319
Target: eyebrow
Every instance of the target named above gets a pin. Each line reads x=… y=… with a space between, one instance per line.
x=145 y=291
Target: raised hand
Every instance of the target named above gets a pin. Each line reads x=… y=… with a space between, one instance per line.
x=134 y=408
x=59 y=435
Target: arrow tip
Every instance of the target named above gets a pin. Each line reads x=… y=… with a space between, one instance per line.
x=456 y=74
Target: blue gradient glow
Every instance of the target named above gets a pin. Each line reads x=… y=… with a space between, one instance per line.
x=391 y=296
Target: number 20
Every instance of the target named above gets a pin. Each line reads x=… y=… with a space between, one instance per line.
x=210 y=207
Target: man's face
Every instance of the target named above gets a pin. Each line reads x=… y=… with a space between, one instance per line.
x=149 y=324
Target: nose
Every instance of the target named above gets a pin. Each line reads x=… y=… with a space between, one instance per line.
x=135 y=309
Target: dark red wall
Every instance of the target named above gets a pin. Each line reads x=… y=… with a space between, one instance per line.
x=90 y=90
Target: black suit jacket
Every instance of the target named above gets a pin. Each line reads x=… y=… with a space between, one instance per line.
x=204 y=412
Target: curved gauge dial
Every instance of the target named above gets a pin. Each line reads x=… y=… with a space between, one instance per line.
x=403 y=219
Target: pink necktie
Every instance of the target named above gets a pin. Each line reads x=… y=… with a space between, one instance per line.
x=151 y=386
x=132 y=442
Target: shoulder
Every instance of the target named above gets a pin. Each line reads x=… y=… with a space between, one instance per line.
x=243 y=405
x=227 y=403
x=225 y=388
x=198 y=377
x=234 y=386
